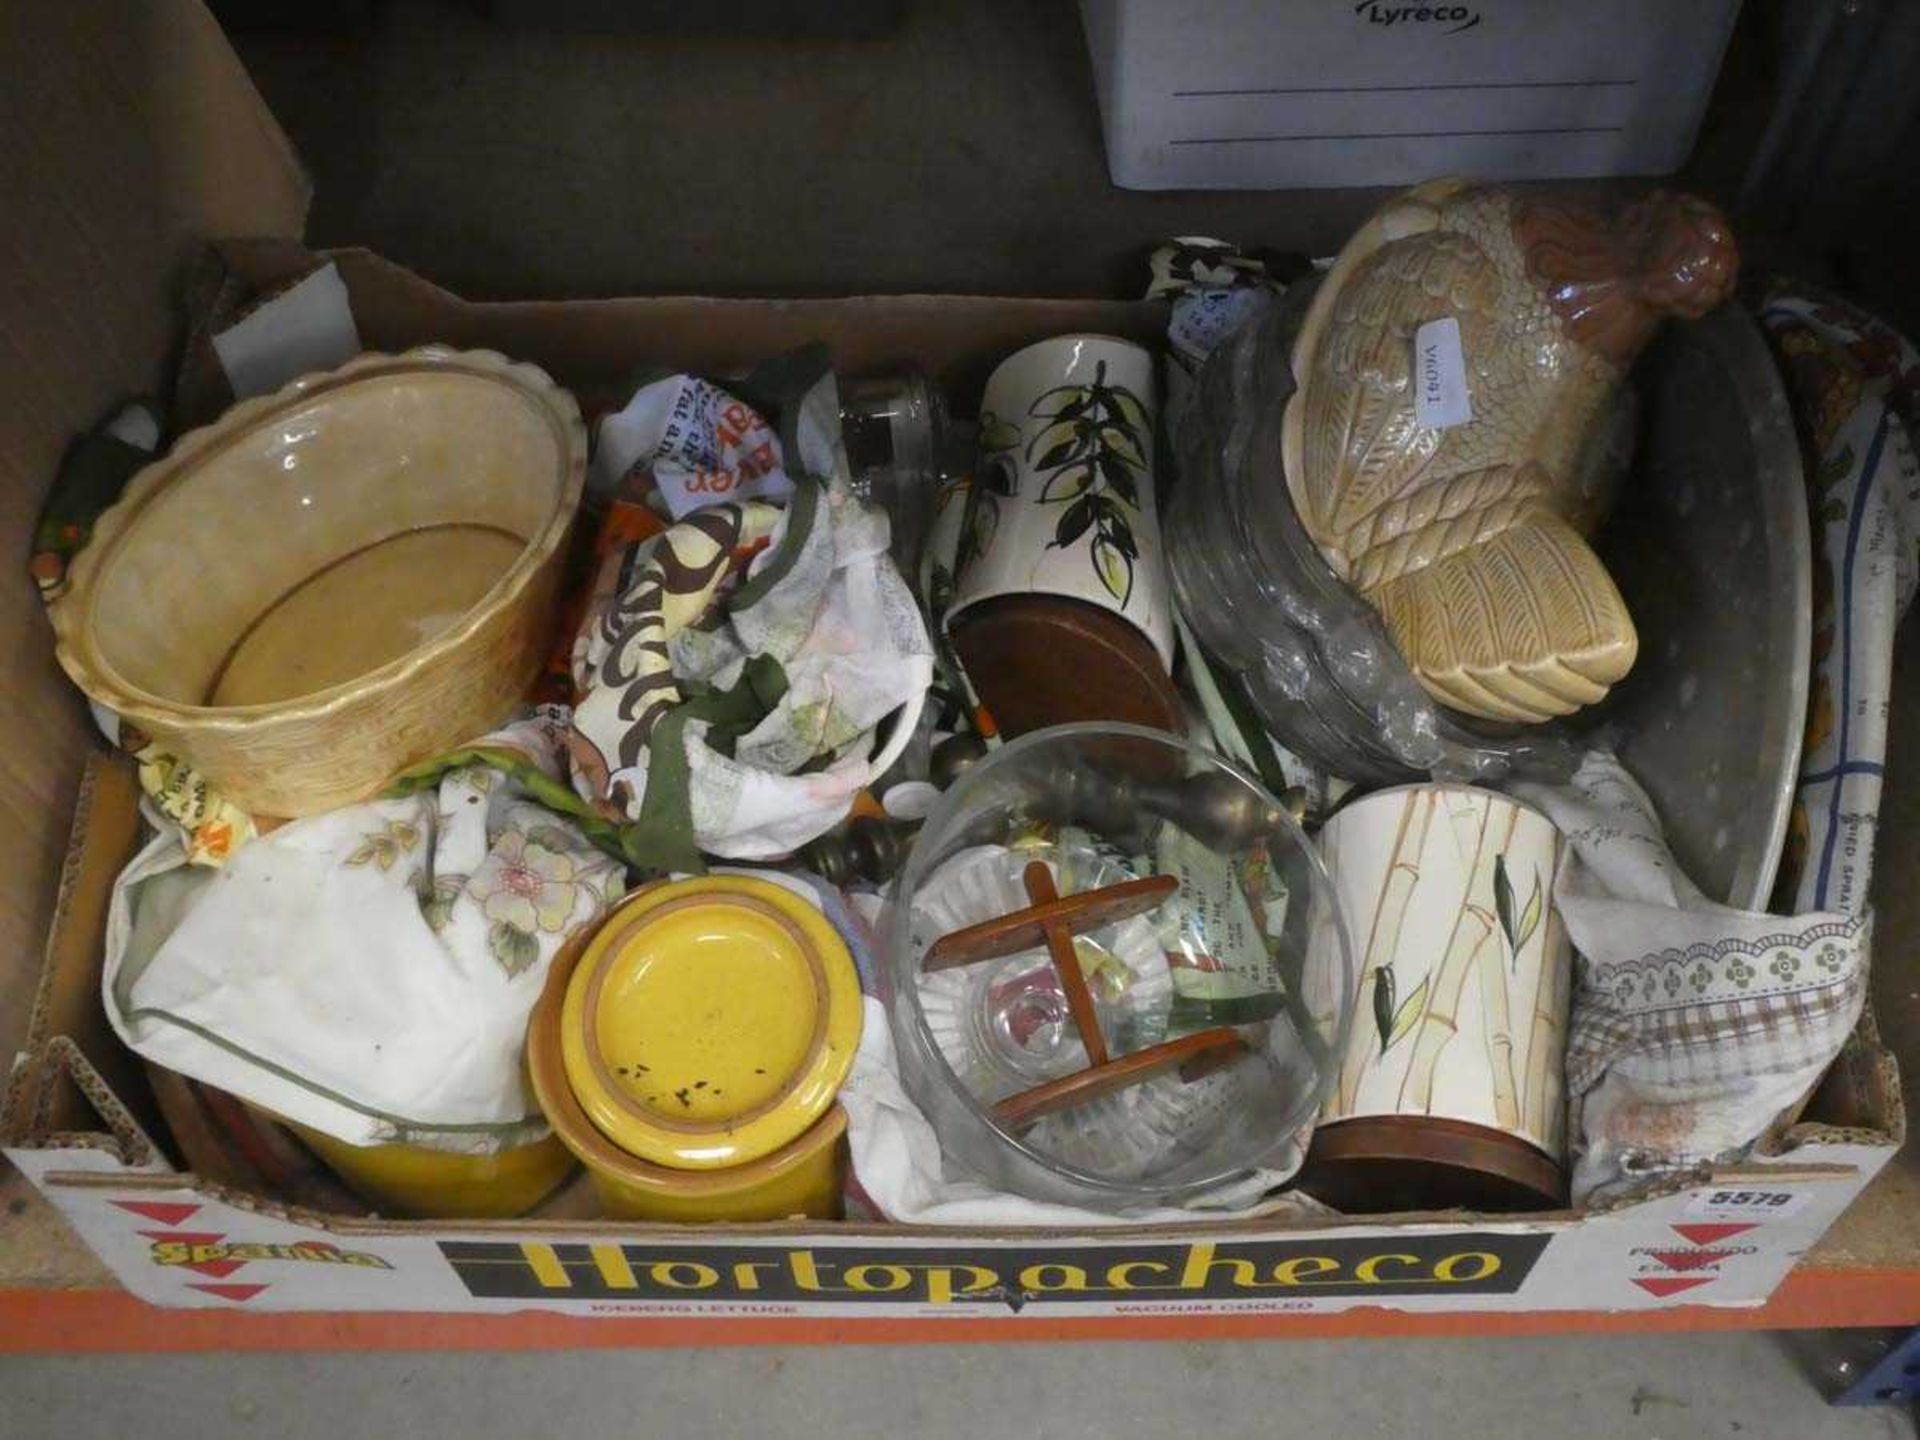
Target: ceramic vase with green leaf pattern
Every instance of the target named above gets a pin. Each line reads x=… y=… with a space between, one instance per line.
x=1063 y=500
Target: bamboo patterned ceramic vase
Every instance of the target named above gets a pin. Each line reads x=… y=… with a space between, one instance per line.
x=1451 y=1090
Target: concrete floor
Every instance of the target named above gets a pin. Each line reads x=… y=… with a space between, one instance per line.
x=1732 y=1387
x=962 y=155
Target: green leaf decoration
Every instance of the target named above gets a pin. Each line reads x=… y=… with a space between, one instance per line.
x=976 y=535
x=1123 y=443
x=1530 y=917
x=1095 y=446
x=1064 y=485
x=1392 y=1022
x=437 y=905
x=1061 y=444
x=1503 y=902
x=385 y=845
x=1076 y=401
x=1063 y=453
x=1114 y=567
x=1128 y=410
x=551 y=837
x=476 y=777
x=997 y=434
x=1383 y=1003
x=514 y=948
x=1114 y=471
x=1074 y=522
x=1405 y=1016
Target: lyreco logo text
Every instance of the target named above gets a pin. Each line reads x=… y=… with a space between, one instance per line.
x=1447 y=19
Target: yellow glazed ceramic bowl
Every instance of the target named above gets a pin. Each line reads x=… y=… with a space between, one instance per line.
x=709 y=1022
x=731 y=981
x=435 y=1184
x=336 y=580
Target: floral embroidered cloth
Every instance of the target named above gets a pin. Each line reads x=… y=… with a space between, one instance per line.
x=1694 y=1025
x=368 y=972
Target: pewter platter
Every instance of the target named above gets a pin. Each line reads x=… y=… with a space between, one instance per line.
x=1709 y=544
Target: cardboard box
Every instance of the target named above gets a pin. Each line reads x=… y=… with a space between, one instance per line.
x=1253 y=94
x=86 y=1142
x=157 y=140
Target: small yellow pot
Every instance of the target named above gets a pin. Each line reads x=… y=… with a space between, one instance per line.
x=800 y=1180
x=690 y=1049
x=436 y=1184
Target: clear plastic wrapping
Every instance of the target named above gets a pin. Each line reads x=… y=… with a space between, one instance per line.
x=1313 y=656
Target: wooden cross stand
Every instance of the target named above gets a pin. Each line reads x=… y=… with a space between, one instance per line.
x=1052 y=920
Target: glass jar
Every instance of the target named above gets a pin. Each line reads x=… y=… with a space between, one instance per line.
x=892 y=426
x=1250 y=940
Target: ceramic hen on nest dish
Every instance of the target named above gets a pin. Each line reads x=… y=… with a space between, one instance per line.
x=1451 y=371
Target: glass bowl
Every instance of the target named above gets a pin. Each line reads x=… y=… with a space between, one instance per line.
x=1250 y=942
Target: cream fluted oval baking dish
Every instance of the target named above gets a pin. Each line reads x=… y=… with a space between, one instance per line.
x=336 y=580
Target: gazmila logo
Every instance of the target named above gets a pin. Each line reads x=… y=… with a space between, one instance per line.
x=1452 y=18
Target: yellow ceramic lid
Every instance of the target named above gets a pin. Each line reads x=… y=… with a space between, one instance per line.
x=710 y=1021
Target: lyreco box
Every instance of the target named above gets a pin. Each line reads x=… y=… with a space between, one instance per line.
x=1273 y=94
x=153 y=141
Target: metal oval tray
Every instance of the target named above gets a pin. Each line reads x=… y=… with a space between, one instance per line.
x=1709 y=544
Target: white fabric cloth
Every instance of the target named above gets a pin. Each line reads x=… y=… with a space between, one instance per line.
x=851 y=643
x=367 y=972
x=1694 y=1025
x=900 y=1172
